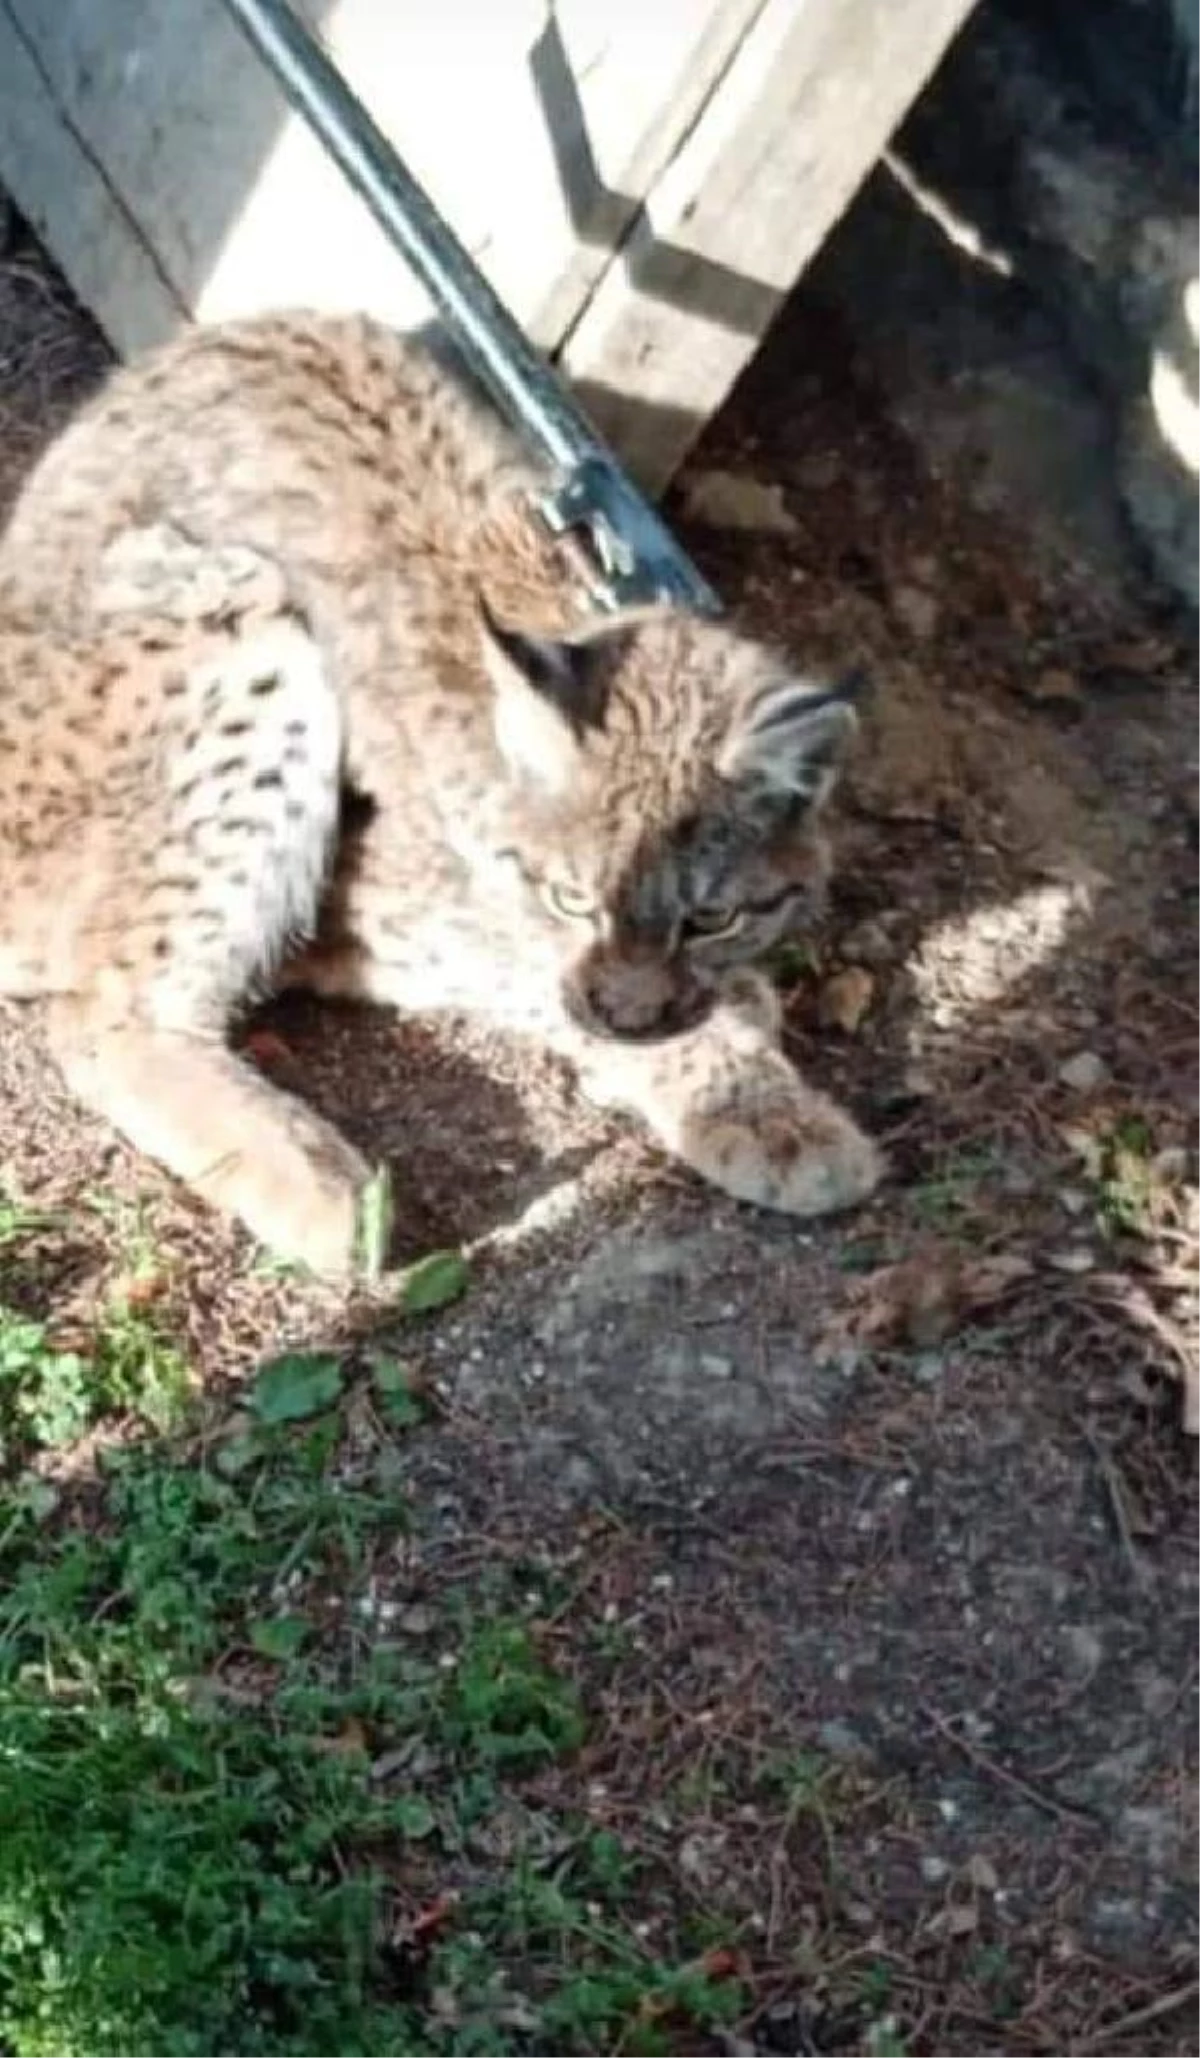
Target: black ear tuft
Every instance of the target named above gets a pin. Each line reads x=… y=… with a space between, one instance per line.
x=544 y=663
x=540 y=700
x=790 y=739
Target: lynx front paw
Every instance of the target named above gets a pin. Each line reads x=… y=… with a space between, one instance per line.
x=801 y=1155
x=331 y=1214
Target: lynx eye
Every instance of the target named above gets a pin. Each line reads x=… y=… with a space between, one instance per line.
x=707 y=924
x=569 y=903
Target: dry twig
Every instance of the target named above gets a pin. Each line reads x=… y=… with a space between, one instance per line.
x=1140 y=2018
x=1063 y=1810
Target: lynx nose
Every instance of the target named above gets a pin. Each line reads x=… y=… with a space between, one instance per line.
x=634 y=993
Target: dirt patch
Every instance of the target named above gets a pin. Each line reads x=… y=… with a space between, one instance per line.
x=943 y=1556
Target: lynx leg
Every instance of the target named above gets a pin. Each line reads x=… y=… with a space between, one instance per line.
x=726 y=1101
x=211 y=858
x=245 y=1147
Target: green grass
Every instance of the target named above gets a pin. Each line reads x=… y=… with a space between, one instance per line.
x=221 y=1788
x=50 y=1397
x=242 y=1808
x=1129 y=1190
x=945 y=1199
x=1125 y=1184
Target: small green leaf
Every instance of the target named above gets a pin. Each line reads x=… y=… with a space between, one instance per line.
x=413 y=1816
x=433 y=1282
x=373 y=1230
x=237 y=1454
x=792 y=962
x=297 y=1385
x=392 y=1380
x=279 y=1636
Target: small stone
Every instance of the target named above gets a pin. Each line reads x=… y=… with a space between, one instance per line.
x=1146 y=655
x=729 y=500
x=1170 y=1165
x=1073 y=1262
x=1084 y=1072
x=841 y=1740
x=1085 y=1648
x=578 y=1477
x=701 y=1859
x=845 y=999
x=916 y=610
x=1086 y=1147
x=1156 y=1691
x=1054 y=687
x=933 y=1869
x=982 y=1873
x=870 y=944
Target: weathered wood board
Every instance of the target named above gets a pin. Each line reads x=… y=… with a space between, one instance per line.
x=642 y=182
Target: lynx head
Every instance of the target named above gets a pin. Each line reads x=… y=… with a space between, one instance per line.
x=664 y=783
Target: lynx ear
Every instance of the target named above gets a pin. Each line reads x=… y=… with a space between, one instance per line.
x=790 y=740
x=539 y=688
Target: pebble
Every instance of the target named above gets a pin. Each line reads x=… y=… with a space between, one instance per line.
x=841 y=1740
x=845 y=999
x=870 y=944
x=917 y=611
x=1084 y=1072
x=1074 y=1261
x=1085 y=1648
x=728 y=500
x=1055 y=686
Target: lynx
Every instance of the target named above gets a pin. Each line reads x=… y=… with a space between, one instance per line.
x=295 y=689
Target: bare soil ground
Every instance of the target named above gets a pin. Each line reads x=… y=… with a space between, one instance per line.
x=906 y=1496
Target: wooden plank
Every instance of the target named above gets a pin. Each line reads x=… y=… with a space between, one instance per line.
x=804 y=110
x=240 y=208
x=42 y=162
x=710 y=143
x=603 y=191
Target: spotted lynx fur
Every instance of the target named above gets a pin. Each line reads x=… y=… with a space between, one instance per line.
x=294 y=689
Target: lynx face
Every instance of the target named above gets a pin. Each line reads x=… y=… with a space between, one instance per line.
x=667 y=782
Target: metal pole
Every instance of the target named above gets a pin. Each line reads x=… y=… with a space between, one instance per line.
x=635 y=557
